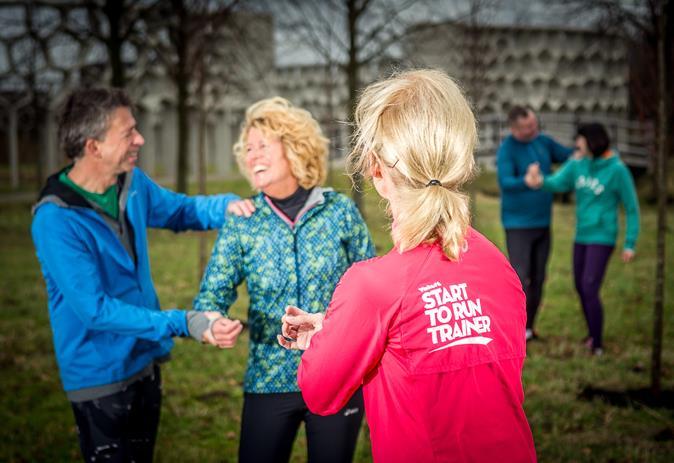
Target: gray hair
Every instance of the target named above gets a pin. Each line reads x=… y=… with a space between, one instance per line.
x=85 y=114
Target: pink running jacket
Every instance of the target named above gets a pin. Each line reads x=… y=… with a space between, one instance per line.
x=438 y=347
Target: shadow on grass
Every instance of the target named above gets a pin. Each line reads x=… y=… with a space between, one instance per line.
x=629 y=398
x=634 y=398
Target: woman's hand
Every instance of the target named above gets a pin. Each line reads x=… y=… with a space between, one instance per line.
x=241 y=207
x=628 y=255
x=298 y=327
x=224 y=332
x=533 y=178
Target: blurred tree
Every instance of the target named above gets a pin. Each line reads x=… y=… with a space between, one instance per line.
x=665 y=77
x=207 y=46
x=109 y=23
x=647 y=25
x=638 y=22
x=60 y=44
x=39 y=58
x=114 y=23
x=349 y=35
x=210 y=50
x=73 y=42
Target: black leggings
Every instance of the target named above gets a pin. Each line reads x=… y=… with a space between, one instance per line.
x=270 y=422
x=528 y=250
x=121 y=427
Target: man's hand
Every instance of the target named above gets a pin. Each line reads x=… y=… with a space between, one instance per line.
x=241 y=207
x=628 y=255
x=533 y=178
x=224 y=332
x=298 y=327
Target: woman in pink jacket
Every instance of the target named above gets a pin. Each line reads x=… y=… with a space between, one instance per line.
x=434 y=330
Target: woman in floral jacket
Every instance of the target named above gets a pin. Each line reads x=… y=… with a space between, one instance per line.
x=292 y=251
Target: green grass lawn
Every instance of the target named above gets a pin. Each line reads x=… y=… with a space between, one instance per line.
x=202 y=385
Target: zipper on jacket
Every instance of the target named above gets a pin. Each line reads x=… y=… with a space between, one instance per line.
x=293 y=226
x=297 y=266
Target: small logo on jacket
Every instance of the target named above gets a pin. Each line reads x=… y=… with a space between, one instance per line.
x=351 y=411
x=590 y=183
x=455 y=318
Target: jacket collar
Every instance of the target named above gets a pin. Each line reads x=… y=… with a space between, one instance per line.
x=316 y=198
x=55 y=191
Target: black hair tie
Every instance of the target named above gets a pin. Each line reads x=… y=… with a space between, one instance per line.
x=434 y=182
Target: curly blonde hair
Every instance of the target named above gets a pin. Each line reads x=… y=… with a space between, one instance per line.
x=420 y=125
x=304 y=144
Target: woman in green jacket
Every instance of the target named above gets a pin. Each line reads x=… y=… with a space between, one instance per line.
x=601 y=183
x=292 y=251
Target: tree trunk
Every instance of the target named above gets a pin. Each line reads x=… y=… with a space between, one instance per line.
x=352 y=70
x=182 y=80
x=662 y=194
x=202 y=178
x=182 y=167
x=13 y=138
x=114 y=10
x=330 y=124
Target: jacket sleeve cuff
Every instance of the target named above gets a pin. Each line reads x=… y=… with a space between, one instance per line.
x=179 y=323
x=197 y=324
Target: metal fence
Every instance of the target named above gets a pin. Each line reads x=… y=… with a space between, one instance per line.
x=635 y=140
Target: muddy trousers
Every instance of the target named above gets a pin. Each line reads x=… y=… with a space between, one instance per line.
x=121 y=427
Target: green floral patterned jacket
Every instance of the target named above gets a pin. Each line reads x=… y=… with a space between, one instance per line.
x=283 y=263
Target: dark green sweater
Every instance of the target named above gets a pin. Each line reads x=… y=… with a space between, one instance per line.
x=107 y=201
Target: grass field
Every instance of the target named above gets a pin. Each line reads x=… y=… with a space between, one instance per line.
x=202 y=385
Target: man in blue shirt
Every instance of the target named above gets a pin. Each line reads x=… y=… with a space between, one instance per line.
x=525 y=213
x=90 y=233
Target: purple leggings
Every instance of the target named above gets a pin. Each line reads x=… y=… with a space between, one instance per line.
x=589 y=267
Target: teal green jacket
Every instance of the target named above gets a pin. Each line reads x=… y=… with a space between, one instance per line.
x=283 y=263
x=600 y=186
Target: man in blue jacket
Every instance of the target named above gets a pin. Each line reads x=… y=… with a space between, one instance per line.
x=90 y=233
x=525 y=213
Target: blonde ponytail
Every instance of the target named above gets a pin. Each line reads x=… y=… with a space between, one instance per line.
x=420 y=123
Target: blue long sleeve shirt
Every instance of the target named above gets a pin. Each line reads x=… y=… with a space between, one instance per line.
x=522 y=207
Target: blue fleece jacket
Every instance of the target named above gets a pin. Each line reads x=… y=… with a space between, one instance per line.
x=522 y=207
x=105 y=316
